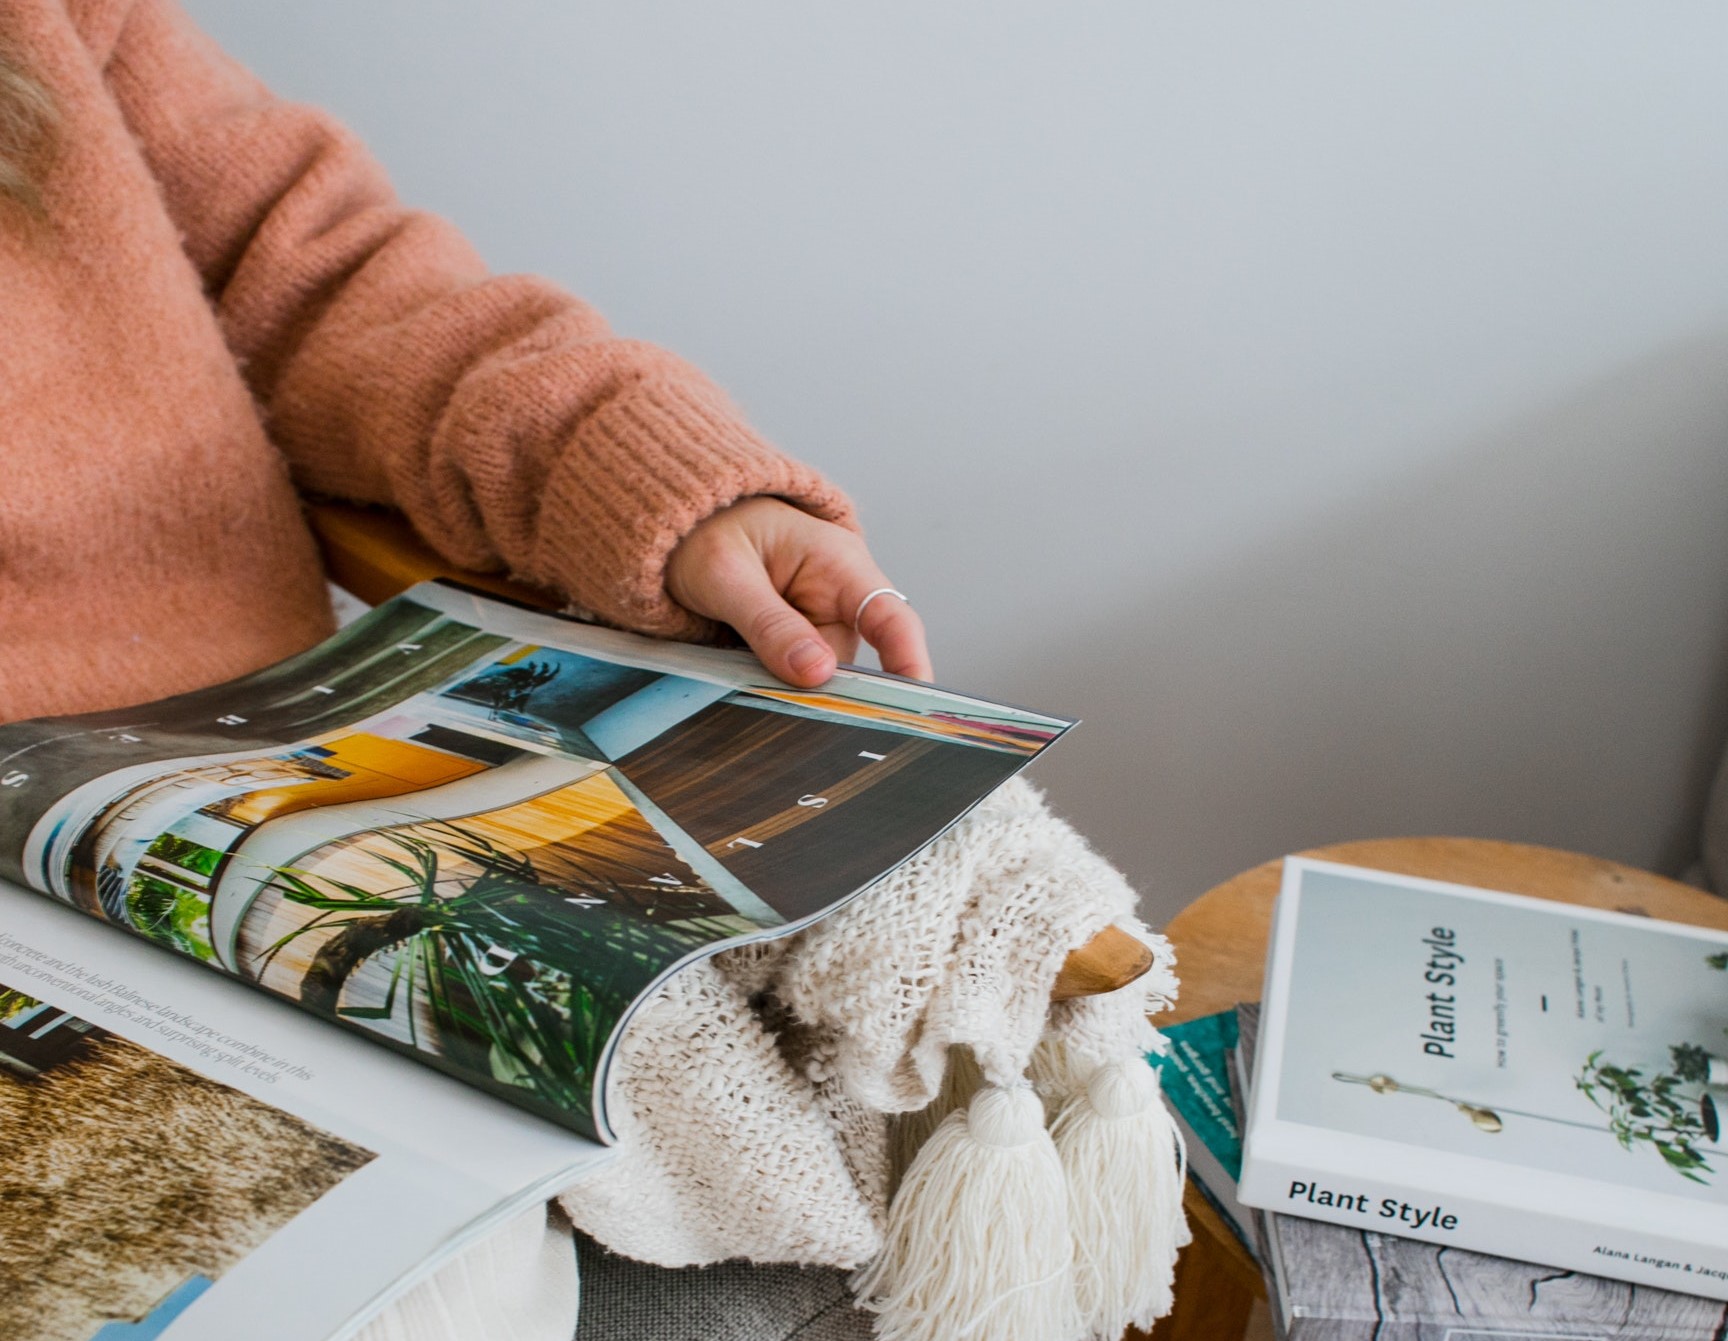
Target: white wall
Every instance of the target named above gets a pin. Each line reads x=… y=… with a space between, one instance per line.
x=1326 y=401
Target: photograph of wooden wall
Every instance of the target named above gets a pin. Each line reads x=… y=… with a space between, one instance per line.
x=762 y=791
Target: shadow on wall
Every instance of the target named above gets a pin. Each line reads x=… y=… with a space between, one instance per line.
x=1529 y=644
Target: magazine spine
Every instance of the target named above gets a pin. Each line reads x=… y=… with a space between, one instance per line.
x=1281 y=1185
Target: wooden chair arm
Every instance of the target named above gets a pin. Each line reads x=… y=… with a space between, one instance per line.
x=376 y=554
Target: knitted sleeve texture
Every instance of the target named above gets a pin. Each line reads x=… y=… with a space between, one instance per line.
x=514 y=429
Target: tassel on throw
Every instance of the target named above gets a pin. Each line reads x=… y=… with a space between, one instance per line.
x=909 y=1132
x=1124 y=1163
x=978 y=1242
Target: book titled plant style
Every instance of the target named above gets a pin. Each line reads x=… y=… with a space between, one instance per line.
x=1328 y=1282
x=1529 y=1079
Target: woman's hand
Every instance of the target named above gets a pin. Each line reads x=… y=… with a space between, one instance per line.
x=790 y=583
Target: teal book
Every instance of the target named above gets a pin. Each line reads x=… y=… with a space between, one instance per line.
x=1195 y=1074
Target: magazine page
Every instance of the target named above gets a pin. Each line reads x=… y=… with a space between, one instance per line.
x=479 y=834
x=183 y=1158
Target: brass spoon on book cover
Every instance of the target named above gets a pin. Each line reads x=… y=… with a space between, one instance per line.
x=1484 y=1119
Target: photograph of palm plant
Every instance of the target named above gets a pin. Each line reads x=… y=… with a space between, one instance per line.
x=504 y=946
x=549 y=695
x=128 y=1183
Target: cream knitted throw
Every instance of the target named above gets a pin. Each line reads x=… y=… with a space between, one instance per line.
x=752 y=1098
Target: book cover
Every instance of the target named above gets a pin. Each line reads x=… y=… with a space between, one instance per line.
x=1483 y=1071
x=1194 y=1074
x=1328 y=1282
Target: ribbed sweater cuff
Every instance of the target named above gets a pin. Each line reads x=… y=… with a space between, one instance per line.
x=639 y=474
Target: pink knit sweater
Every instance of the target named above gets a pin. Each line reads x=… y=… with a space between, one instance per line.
x=227 y=305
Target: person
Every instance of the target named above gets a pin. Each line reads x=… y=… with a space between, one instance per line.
x=213 y=304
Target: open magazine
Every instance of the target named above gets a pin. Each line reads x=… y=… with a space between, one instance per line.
x=475 y=834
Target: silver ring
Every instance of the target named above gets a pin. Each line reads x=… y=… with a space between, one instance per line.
x=858 y=618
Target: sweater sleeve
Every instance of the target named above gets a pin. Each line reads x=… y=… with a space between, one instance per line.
x=514 y=429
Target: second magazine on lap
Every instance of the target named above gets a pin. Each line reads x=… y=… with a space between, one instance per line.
x=181 y=1158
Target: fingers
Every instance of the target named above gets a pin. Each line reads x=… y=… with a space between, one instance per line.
x=842 y=639
x=787 y=643
x=791 y=585
x=893 y=628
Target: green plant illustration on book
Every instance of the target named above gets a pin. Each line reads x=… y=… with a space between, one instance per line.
x=519 y=979
x=1659 y=1110
x=1671 y=1111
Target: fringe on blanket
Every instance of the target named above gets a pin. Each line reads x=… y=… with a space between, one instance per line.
x=891 y=1090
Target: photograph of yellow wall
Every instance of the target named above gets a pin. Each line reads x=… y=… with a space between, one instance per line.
x=153 y=858
x=357 y=767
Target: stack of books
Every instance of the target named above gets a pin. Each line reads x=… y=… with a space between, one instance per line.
x=1467 y=1115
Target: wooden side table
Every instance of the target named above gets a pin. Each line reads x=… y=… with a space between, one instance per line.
x=1220 y=942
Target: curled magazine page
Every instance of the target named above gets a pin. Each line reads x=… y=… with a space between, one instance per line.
x=480 y=834
x=185 y=1159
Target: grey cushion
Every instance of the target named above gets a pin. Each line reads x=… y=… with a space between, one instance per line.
x=624 y=1300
